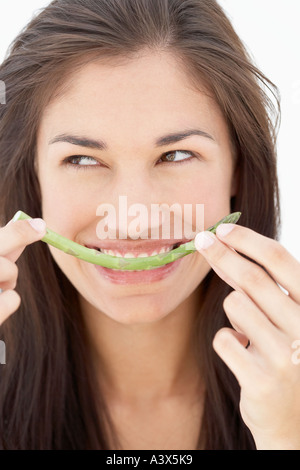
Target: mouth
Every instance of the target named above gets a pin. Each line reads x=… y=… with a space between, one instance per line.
x=139 y=275
x=137 y=252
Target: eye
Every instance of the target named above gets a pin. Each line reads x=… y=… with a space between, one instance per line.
x=80 y=161
x=179 y=154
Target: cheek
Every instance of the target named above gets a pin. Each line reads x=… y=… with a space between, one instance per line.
x=212 y=190
x=65 y=208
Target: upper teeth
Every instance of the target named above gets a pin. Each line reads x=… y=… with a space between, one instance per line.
x=141 y=255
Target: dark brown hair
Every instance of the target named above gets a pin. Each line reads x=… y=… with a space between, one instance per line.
x=48 y=396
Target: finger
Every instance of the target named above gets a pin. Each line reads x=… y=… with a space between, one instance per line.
x=252 y=280
x=226 y=278
x=9 y=303
x=242 y=339
x=8 y=274
x=228 y=346
x=14 y=237
x=249 y=320
x=282 y=266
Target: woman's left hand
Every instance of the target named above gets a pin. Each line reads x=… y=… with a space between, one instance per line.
x=263 y=349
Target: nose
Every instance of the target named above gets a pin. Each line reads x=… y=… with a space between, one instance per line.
x=134 y=210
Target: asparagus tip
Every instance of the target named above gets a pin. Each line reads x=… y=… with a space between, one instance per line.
x=17 y=216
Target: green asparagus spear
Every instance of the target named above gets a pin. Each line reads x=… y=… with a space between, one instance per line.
x=114 y=262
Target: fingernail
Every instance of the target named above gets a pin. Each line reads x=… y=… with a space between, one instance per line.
x=224 y=229
x=39 y=225
x=204 y=240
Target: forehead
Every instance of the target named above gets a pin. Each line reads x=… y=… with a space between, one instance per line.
x=145 y=95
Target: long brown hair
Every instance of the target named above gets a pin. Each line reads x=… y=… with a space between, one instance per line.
x=48 y=397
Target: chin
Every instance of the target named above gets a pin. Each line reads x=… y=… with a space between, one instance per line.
x=134 y=312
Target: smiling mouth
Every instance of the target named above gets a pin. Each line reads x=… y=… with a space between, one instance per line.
x=121 y=253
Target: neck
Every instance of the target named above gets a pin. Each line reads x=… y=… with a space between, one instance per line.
x=152 y=361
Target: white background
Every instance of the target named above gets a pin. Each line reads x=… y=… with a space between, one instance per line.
x=270 y=30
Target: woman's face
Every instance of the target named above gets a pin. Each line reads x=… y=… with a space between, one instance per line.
x=110 y=118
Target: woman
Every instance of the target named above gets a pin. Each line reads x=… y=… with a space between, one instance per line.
x=100 y=95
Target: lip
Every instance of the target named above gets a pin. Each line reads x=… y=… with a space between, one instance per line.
x=135 y=248
x=138 y=277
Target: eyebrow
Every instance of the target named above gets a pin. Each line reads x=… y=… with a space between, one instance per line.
x=101 y=145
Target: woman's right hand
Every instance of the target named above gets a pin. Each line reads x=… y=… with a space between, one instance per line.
x=14 y=238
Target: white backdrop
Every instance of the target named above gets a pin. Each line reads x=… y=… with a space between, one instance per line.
x=270 y=30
